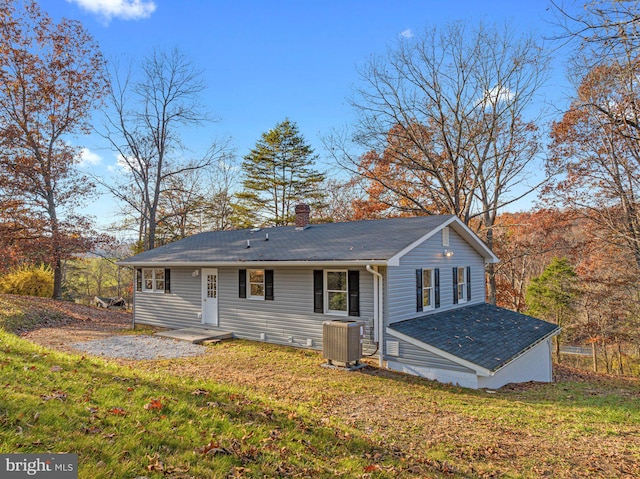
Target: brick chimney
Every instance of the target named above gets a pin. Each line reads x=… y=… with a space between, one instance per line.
x=302 y=216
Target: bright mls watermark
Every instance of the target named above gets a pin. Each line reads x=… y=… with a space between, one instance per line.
x=44 y=466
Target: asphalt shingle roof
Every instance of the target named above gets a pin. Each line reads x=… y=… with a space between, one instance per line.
x=352 y=241
x=485 y=335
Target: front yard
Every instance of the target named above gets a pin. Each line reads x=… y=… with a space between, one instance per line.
x=256 y=410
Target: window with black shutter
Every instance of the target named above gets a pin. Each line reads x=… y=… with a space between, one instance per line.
x=354 y=293
x=242 y=283
x=436 y=288
x=268 y=284
x=318 y=291
x=419 y=290
x=455 y=285
x=167 y=280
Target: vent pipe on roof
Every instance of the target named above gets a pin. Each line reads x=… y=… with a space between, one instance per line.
x=302 y=216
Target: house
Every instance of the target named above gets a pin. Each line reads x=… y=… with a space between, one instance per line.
x=417 y=284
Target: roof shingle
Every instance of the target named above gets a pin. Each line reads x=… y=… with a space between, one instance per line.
x=482 y=334
x=367 y=240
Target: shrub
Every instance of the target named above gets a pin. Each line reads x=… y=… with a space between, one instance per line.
x=28 y=280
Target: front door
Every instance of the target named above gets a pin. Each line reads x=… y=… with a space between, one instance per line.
x=210 y=296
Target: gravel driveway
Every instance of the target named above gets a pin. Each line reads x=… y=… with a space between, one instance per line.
x=139 y=347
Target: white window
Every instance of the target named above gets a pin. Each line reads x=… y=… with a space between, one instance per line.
x=336 y=296
x=462 y=284
x=427 y=289
x=256 y=283
x=153 y=280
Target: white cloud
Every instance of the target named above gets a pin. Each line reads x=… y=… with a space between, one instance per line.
x=122 y=164
x=406 y=33
x=123 y=9
x=89 y=158
x=498 y=94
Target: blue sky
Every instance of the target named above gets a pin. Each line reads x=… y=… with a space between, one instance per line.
x=264 y=61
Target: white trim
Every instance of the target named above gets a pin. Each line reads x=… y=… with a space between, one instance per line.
x=432 y=290
x=553 y=333
x=250 y=264
x=203 y=311
x=454 y=222
x=154 y=281
x=395 y=259
x=459 y=227
x=255 y=297
x=325 y=292
x=479 y=370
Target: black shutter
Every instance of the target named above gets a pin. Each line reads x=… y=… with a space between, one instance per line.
x=419 y=302
x=354 y=293
x=139 y=279
x=436 y=288
x=268 y=284
x=468 y=283
x=242 y=283
x=167 y=280
x=455 y=285
x=318 y=291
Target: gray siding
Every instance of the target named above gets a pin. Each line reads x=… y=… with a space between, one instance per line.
x=401 y=280
x=178 y=309
x=290 y=314
x=415 y=356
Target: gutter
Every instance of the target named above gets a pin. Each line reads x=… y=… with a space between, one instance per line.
x=217 y=264
x=378 y=311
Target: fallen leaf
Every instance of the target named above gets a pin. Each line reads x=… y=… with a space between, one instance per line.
x=118 y=411
x=154 y=404
x=59 y=395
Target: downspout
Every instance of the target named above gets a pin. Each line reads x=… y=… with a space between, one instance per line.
x=378 y=312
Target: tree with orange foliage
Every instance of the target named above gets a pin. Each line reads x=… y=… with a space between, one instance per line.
x=50 y=80
x=526 y=242
x=596 y=147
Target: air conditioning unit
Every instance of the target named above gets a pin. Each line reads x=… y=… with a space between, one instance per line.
x=342 y=342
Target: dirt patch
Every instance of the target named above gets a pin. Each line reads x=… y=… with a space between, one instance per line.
x=73 y=323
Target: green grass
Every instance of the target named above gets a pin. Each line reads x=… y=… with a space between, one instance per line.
x=124 y=423
x=249 y=409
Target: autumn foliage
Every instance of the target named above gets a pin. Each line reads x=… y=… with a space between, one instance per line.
x=50 y=80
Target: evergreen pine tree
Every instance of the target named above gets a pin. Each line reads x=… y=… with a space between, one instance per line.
x=552 y=295
x=279 y=174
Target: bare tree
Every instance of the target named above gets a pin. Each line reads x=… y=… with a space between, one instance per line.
x=145 y=127
x=446 y=120
x=198 y=200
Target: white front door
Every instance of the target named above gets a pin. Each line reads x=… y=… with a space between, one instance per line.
x=210 y=296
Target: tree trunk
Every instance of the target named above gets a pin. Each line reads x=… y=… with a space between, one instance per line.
x=620 y=368
x=606 y=357
x=491 y=283
x=594 y=357
x=557 y=339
